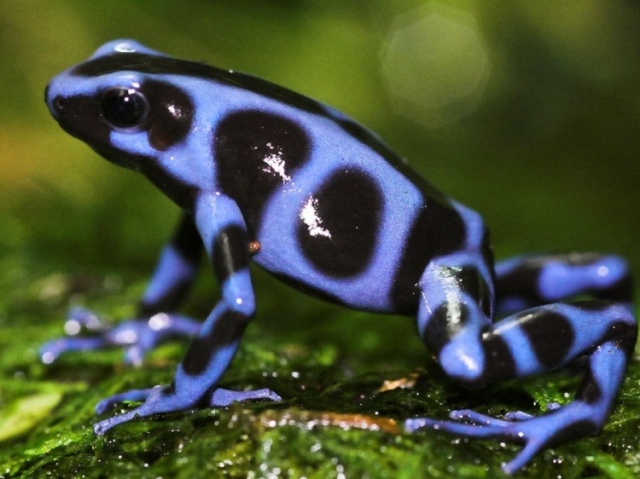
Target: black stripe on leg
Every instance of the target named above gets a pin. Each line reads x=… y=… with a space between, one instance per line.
x=186 y=240
x=230 y=252
x=624 y=334
x=169 y=300
x=550 y=336
x=443 y=325
x=589 y=390
x=498 y=360
x=471 y=282
x=227 y=329
x=621 y=290
x=188 y=245
x=522 y=281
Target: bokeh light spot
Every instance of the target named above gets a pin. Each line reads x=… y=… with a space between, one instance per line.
x=435 y=64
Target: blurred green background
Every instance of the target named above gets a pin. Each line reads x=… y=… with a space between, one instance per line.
x=525 y=111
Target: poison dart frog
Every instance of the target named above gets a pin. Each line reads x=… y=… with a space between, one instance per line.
x=267 y=175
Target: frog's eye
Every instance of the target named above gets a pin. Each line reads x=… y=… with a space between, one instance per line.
x=124 y=107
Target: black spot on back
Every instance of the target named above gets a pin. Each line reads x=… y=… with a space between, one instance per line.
x=247 y=145
x=155 y=64
x=338 y=227
x=170 y=114
x=437 y=230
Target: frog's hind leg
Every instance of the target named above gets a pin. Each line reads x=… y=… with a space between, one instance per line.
x=531 y=280
x=475 y=351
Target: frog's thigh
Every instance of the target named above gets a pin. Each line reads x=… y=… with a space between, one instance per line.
x=532 y=341
x=530 y=280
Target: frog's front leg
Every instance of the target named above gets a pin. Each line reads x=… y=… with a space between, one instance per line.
x=476 y=351
x=223 y=233
x=155 y=320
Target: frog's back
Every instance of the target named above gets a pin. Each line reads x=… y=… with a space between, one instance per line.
x=334 y=210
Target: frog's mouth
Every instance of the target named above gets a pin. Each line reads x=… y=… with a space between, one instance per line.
x=79 y=116
x=115 y=157
x=107 y=152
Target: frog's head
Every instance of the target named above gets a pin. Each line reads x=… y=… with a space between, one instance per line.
x=113 y=103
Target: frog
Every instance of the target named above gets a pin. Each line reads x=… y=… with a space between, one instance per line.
x=268 y=176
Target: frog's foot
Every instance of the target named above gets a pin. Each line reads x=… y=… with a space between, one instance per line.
x=510 y=416
x=536 y=432
x=86 y=331
x=164 y=399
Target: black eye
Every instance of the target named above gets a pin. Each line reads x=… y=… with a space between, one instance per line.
x=124 y=107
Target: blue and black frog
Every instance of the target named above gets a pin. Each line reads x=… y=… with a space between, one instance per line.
x=266 y=175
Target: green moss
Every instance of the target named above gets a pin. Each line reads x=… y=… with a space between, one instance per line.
x=336 y=418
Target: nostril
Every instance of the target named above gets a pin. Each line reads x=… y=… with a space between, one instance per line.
x=59 y=103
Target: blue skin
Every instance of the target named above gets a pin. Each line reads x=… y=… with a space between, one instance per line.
x=265 y=174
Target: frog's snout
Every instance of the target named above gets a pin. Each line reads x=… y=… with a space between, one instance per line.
x=54 y=104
